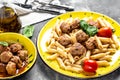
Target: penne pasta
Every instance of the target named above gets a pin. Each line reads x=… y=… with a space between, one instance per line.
x=95 y=51
x=60 y=62
x=76 y=58
x=103 y=63
x=105 y=40
x=57 y=28
x=73 y=38
x=97 y=56
x=74 y=69
x=59 y=45
x=98 y=42
x=113 y=46
x=107 y=58
x=55 y=36
x=107 y=23
x=61 y=52
x=71 y=58
x=67 y=62
x=100 y=21
x=50 y=50
x=88 y=54
x=116 y=41
x=76 y=65
x=53 y=57
x=111 y=50
x=80 y=60
x=106 y=46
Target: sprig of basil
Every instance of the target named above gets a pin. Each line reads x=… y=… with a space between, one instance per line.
x=28 y=31
x=83 y=25
x=4 y=43
x=90 y=30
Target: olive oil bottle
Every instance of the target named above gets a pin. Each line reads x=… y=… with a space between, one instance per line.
x=9 y=21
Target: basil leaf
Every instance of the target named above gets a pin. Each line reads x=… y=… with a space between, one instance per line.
x=83 y=25
x=28 y=31
x=4 y=43
x=91 y=30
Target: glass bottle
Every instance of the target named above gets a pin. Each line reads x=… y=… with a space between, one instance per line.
x=9 y=21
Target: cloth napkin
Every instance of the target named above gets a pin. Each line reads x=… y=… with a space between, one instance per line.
x=31 y=17
x=27 y=17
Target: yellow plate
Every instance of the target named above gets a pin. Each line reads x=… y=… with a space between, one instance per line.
x=45 y=33
x=28 y=45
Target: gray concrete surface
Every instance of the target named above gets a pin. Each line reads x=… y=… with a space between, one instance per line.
x=40 y=71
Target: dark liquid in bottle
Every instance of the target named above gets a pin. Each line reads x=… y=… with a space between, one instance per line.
x=9 y=21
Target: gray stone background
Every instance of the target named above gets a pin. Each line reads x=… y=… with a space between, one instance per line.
x=40 y=71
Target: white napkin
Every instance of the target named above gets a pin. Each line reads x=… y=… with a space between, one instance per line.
x=32 y=17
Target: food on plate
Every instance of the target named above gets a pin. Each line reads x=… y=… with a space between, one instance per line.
x=90 y=65
x=105 y=32
x=82 y=45
x=13 y=58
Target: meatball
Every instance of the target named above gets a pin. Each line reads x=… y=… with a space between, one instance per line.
x=75 y=23
x=64 y=40
x=91 y=43
x=6 y=48
x=15 y=47
x=65 y=27
x=77 y=49
x=17 y=60
x=23 y=54
x=5 y=56
x=91 y=22
x=11 y=68
x=81 y=36
x=1 y=48
x=2 y=67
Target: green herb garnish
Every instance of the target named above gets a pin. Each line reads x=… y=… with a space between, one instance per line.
x=28 y=31
x=4 y=43
x=90 y=30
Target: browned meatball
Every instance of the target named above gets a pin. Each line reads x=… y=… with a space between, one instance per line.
x=6 y=48
x=5 y=56
x=64 y=40
x=11 y=68
x=96 y=24
x=91 y=43
x=23 y=54
x=75 y=24
x=17 y=60
x=65 y=27
x=91 y=22
x=77 y=49
x=1 y=48
x=81 y=36
x=15 y=47
x=2 y=67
